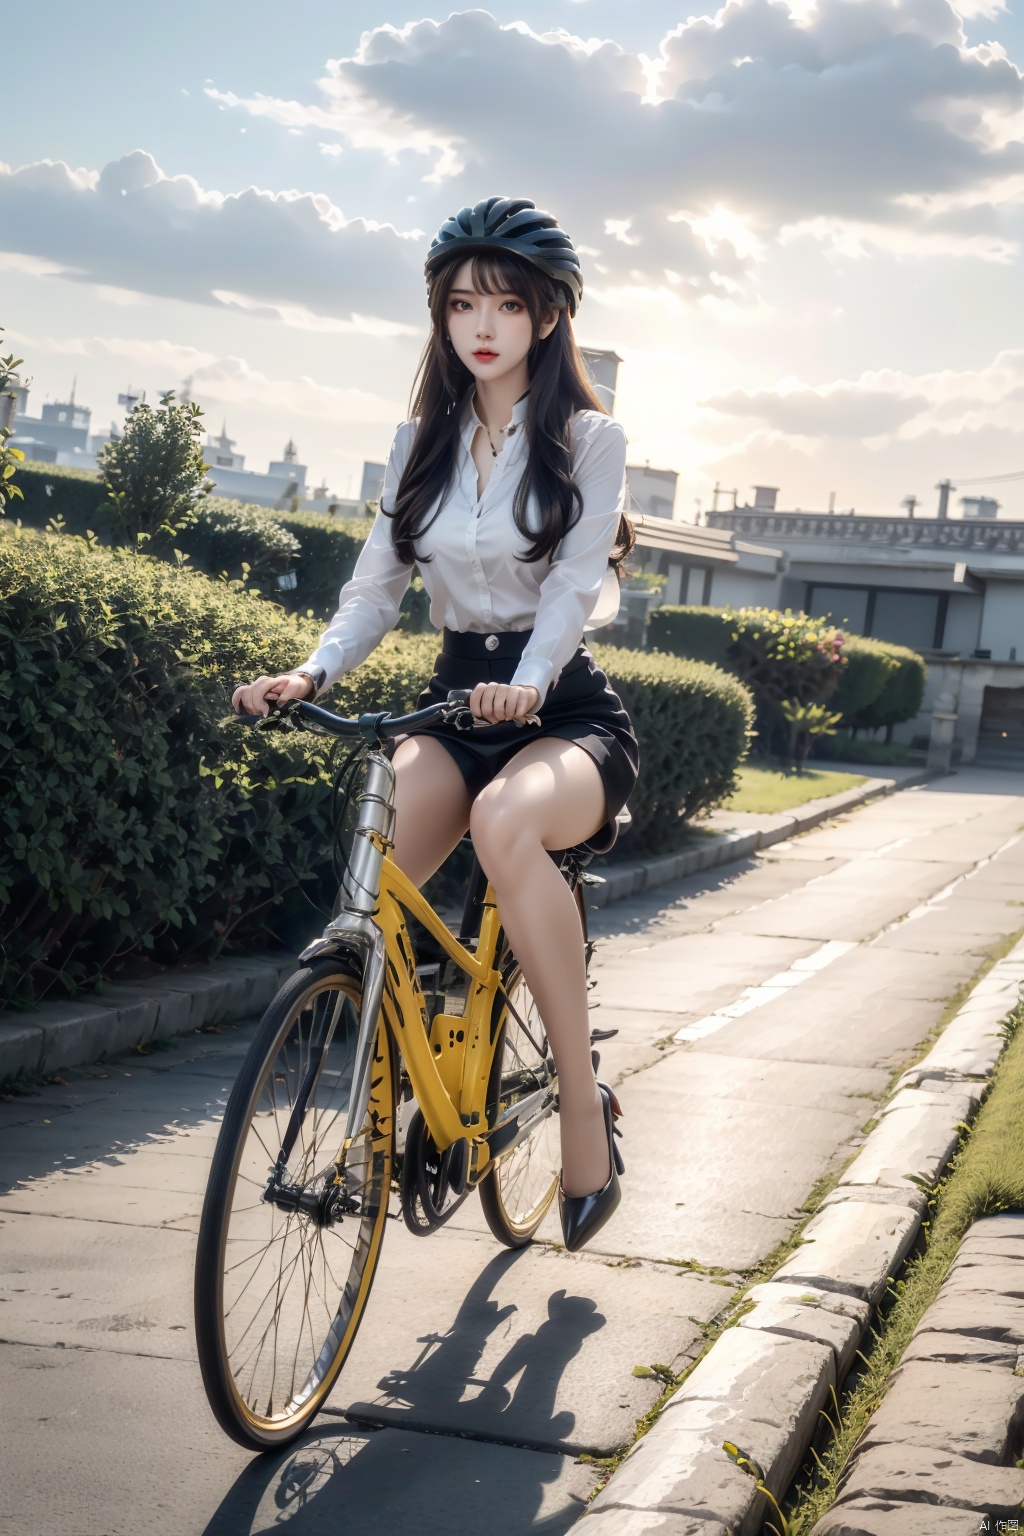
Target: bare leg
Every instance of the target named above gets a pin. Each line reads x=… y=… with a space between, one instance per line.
x=431 y=806
x=550 y=796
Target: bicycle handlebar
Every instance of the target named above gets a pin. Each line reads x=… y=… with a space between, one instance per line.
x=299 y=714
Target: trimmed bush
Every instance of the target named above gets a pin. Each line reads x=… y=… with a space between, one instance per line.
x=700 y=633
x=693 y=722
x=781 y=656
x=139 y=822
x=231 y=538
x=328 y=549
x=76 y=495
x=901 y=694
x=869 y=664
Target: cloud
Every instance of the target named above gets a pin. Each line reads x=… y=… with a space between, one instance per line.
x=885 y=405
x=224 y=381
x=761 y=120
x=133 y=228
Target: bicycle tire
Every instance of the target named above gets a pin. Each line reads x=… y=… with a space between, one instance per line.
x=258 y=1410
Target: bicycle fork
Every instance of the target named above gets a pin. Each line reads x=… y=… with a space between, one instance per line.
x=354 y=928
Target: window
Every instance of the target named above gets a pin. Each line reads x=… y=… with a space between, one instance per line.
x=906 y=618
x=845 y=606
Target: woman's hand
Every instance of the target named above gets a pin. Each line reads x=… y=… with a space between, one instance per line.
x=495 y=702
x=256 y=698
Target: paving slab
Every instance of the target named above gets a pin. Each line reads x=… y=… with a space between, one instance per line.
x=692 y=973
x=912 y=1473
x=853 y=1247
x=888 y=1517
x=976 y=1313
x=956 y=1406
x=940 y=930
x=787 y=1310
x=760 y=1391
x=538 y=1346
x=731 y=1189
x=195 y=1482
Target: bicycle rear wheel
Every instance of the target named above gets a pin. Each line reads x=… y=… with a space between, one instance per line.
x=284 y=1267
x=517 y=1192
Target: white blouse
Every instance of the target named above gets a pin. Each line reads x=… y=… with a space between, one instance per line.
x=474 y=579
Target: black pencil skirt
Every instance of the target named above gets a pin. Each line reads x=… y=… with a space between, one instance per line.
x=581 y=708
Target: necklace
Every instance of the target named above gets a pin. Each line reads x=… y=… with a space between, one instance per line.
x=508 y=430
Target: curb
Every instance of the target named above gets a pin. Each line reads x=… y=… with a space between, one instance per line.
x=762 y=1383
x=943 y=1440
x=128 y=1014
x=631 y=877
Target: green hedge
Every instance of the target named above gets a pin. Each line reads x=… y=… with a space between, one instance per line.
x=900 y=696
x=50 y=491
x=693 y=723
x=138 y=823
x=870 y=682
x=699 y=633
x=230 y=538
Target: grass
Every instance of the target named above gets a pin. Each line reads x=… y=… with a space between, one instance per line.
x=766 y=790
x=986 y=1176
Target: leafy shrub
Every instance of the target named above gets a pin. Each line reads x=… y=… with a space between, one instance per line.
x=692 y=722
x=139 y=821
x=154 y=472
x=871 y=683
x=230 y=537
x=868 y=666
x=901 y=697
x=328 y=550
x=11 y=459
x=76 y=496
x=700 y=633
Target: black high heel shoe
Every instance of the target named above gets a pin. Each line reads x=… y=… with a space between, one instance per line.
x=584 y=1215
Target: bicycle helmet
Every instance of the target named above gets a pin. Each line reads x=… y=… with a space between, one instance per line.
x=512 y=224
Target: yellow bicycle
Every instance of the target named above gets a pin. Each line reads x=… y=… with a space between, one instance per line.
x=442 y=1026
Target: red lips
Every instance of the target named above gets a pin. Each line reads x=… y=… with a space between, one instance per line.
x=484 y=355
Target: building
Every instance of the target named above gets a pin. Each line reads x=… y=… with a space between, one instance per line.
x=283 y=483
x=58 y=435
x=603 y=367
x=950 y=588
x=652 y=491
x=979 y=506
x=373 y=482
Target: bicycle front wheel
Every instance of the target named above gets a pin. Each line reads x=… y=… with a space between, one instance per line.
x=284 y=1264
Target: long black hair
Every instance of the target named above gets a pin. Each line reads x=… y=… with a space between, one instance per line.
x=559 y=386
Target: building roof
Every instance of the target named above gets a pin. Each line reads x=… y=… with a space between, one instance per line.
x=709 y=546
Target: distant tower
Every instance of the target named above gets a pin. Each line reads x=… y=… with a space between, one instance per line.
x=291 y=453
x=944 y=488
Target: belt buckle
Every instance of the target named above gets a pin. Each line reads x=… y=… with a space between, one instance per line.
x=491 y=642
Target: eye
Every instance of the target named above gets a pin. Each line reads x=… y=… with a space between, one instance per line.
x=512 y=305
x=460 y=304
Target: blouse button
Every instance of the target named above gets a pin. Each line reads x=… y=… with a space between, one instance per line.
x=491 y=642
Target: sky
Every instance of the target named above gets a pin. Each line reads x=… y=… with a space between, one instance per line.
x=801 y=225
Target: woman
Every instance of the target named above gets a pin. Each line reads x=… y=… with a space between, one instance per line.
x=506 y=489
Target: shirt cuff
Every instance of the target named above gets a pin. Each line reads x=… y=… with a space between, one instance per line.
x=318 y=663
x=534 y=672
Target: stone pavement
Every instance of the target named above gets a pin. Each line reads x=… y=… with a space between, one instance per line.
x=761 y=1009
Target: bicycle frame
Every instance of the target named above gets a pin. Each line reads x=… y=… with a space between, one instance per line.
x=448 y=1058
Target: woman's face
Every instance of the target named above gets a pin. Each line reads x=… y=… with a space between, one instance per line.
x=491 y=333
